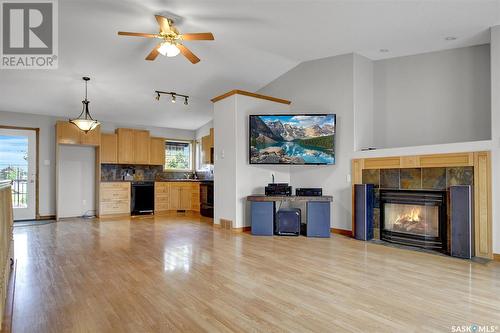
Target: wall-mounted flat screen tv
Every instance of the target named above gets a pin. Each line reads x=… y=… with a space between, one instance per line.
x=292 y=139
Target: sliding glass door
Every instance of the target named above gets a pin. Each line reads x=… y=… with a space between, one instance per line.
x=18 y=164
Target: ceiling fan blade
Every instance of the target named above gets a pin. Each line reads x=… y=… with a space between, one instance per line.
x=154 y=53
x=188 y=54
x=198 y=36
x=164 y=24
x=137 y=34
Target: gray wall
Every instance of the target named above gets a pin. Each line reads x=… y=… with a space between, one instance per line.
x=433 y=98
x=324 y=86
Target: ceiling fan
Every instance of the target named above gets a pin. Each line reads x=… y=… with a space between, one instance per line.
x=170 y=40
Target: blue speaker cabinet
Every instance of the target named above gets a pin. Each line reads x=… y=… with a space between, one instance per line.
x=262 y=218
x=288 y=222
x=461 y=212
x=363 y=211
x=318 y=219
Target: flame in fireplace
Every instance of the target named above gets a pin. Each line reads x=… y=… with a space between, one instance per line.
x=410 y=215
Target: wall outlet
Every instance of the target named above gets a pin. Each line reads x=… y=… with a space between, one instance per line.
x=348 y=178
x=46 y=162
x=84 y=202
x=222 y=154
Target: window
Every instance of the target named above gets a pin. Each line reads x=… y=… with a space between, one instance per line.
x=178 y=155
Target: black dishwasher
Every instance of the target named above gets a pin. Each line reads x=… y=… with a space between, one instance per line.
x=143 y=198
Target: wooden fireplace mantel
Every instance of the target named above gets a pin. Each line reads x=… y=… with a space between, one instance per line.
x=479 y=160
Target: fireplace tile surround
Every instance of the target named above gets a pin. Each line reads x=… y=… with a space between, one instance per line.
x=433 y=172
x=439 y=178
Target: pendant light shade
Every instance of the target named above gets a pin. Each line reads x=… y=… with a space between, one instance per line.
x=85 y=122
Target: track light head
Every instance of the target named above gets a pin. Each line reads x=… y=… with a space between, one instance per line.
x=186 y=101
x=157 y=97
x=173 y=98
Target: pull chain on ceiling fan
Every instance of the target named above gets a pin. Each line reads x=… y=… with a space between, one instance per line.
x=171 y=44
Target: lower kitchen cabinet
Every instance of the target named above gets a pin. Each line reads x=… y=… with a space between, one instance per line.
x=114 y=198
x=172 y=196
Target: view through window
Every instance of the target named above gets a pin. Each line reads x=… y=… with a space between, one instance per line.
x=14 y=166
x=178 y=155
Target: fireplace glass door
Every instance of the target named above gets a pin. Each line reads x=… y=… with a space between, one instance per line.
x=414 y=218
x=417 y=220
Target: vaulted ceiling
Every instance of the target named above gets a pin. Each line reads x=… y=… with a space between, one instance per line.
x=255 y=42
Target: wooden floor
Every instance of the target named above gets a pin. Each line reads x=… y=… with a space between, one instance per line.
x=181 y=274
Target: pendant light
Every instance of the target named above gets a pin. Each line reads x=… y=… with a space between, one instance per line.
x=85 y=122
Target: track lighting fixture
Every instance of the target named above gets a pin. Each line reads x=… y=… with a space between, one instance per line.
x=173 y=96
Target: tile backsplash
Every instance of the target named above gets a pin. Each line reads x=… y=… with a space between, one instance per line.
x=117 y=172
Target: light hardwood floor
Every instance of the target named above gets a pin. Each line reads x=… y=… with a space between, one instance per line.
x=180 y=274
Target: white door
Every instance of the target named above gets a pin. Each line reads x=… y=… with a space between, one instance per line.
x=18 y=164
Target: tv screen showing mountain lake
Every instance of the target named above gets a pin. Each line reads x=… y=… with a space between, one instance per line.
x=292 y=139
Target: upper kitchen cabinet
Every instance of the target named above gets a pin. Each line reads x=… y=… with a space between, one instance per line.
x=69 y=134
x=109 y=148
x=126 y=145
x=157 y=151
x=207 y=147
x=141 y=146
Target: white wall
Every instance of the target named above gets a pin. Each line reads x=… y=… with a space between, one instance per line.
x=204 y=130
x=225 y=160
x=47 y=148
x=251 y=178
x=324 y=86
x=77 y=181
x=234 y=177
x=438 y=97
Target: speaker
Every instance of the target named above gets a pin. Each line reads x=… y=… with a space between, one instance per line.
x=461 y=212
x=363 y=211
x=288 y=222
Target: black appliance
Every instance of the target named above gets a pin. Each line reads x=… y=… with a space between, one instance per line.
x=288 y=222
x=309 y=192
x=207 y=198
x=142 y=198
x=279 y=189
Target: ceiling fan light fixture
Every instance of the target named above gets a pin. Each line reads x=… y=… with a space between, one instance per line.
x=168 y=49
x=85 y=122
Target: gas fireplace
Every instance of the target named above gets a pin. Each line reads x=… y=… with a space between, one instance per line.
x=415 y=218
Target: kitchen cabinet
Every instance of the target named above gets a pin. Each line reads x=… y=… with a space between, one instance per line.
x=157 y=151
x=172 y=196
x=69 y=134
x=141 y=147
x=195 y=197
x=162 y=197
x=114 y=198
x=207 y=146
x=109 y=148
x=133 y=146
x=125 y=145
